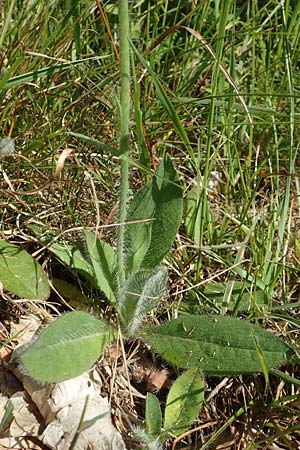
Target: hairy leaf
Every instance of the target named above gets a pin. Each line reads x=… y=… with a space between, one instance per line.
x=93 y=258
x=102 y=259
x=141 y=293
x=21 y=274
x=184 y=401
x=71 y=255
x=153 y=416
x=67 y=347
x=138 y=235
x=72 y=293
x=219 y=345
x=7 y=146
x=158 y=207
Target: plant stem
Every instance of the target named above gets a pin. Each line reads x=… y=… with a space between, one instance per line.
x=124 y=131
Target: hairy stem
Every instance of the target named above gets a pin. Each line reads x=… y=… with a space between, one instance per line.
x=124 y=130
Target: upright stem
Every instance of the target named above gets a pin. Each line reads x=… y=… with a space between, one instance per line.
x=124 y=130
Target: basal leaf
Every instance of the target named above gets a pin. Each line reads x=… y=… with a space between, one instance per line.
x=167 y=196
x=71 y=292
x=7 y=146
x=21 y=274
x=138 y=235
x=91 y=257
x=158 y=207
x=67 y=347
x=71 y=255
x=153 y=416
x=141 y=293
x=103 y=260
x=184 y=401
x=219 y=345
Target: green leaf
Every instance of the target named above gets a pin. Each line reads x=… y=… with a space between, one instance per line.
x=167 y=196
x=34 y=76
x=197 y=213
x=159 y=202
x=141 y=293
x=93 y=258
x=242 y=295
x=103 y=261
x=71 y=292
x=21 y=274
x=285 y=377
x=67 y=347
x=184 y=401
x=6 y=419
x=71 y=255
x=219 y=345
x=153 y=416
x=165 y=101
x=193 y=214
x=97 y=144
x=138 y=235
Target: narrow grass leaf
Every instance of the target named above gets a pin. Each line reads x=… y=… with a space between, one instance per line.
x=5 y=76
x=144 y=155
x=290 y=319
x=97 y=144
x=153 y=416
x=6 y=417
x=67 y=347
x=285 y=377
x=165 y=101
x=243 y=295
x=263 y=363
x=184 y=401
x=192 y=214
x=35 y=75
x=219 y=345
x=21 y=274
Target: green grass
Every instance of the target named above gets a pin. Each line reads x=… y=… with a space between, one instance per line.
x=60 y=74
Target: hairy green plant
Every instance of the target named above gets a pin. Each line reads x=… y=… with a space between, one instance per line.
x=22 y=274
x=132 y=277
